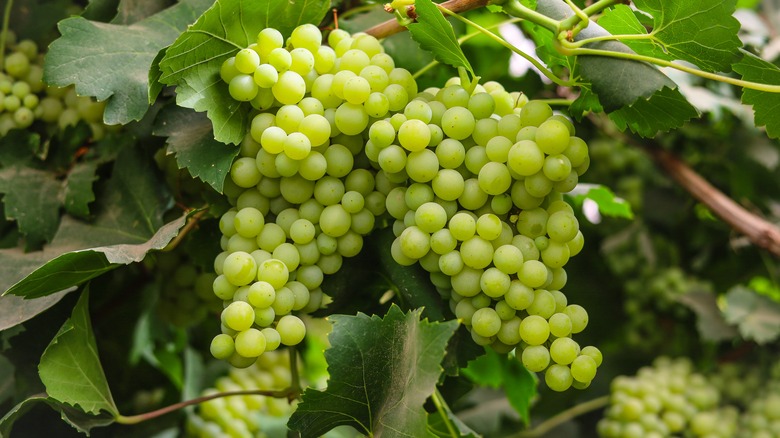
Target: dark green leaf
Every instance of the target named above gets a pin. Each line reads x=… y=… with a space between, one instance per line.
x=381 y=372
x=609 y=204
x=766 y=105
x=32 y=200
x=500 y=371
x=190 y=137
x=15 y=310
x=192 y=62
x=100 y=10
x=155 y=86
x=8 y=382
x=757 y=317
x=110 y=61
x=704 y=34
x=78 y=189
x=664 y=110
x=435 y=34
x=585 y=103
x=70 y=367
x=37 y=19
x=76 y=267
x=709 y=320
x=79 y=420
x=131 y=11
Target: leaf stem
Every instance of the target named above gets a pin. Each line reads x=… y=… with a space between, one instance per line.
x=135 y=419
x=549 y=74
x=295 y=380
x=555 y=421
x=595 y=8
x=558 y=102
x=4 y=34
x=189 y=226
x=517 y=9
x=626 y=37
x=391 y=27
x=565 y=50
x=438 y=400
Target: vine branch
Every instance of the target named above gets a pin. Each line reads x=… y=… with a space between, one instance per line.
x=555 y=421
x=392 y=27
x=135 y=419
x=757 y=229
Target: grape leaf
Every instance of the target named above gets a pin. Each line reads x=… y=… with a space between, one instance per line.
x=70 y=367
x=111 y=61
x=381 y=372
x=129 y=223
x=192 y=62
x=710 y=322
x=31 y=199
x=75 y=417
x=190 y=137
x=765 y=105
x=703 y=33
x=756 y=317
x=438 y=427
x=622 y=20
x=498 y=371
x=643 y=98
x=78 y=189
x=15 y=310
x=664 y=110
x=435 y=34
x=609 y=204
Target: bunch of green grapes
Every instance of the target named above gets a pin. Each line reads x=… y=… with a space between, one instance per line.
x=242 y=416
x=481 y=209
x=761 y=419
x=302 y=191
x=185 y=296
x=25 y=98
x=667 y=399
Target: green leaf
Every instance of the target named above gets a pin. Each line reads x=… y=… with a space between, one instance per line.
x=710 y=323
x=609 y=204
x=128 y=224
x=79 y=420
x=15 y=310
x=155 y=86
x=76 y=267
x=435 y=34
x=190 y=137
x=499 y=371
x=110 y=61
x=704 y=34
x=757 y=317
x=78 y=189
x=70 y=367
x=438 y=427
x=766 y=105
x=32 y=200
x=192 y=62
x=622 y=20
x=381 y=372
x=664 y=110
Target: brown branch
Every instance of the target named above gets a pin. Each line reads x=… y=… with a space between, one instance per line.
x=391 y=27
x=757 y=229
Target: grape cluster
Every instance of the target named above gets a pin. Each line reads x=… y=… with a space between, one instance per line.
x=481 y=210
x=302 y=191
x=185 y=296
x=664 y=400
x=242 y=416
x=24 y=98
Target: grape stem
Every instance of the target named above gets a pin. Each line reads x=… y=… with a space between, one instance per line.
x=758 y=230
x=555 y=421
x=392 y=27
x=192 y=221
x=442 y=408
x=4 y=34
x=289 y=394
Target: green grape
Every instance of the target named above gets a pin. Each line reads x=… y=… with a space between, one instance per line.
x=414 y=135
x=261 y=294
x=535 y=358
x=247 y=61
x=486 y=322
x=273 y=271
x=494 y=283
x=525 y=158
x=414 y=243
x=238 y=316
x=564 y=350
x=422 y=166
x=508 y=259
x=430 y=217
x=534 y=330
x=477 y=252
x=356 y=90
x=301 y=61
x=560 y=325
x=534 y=113
x=239 y=268
x=351 y=119
x=494 y=178
x=243 y=88
x=583 y=368
x=222 y=346
x=291 y=330
x=250 y=343
x=579 y=317
x=558 y=377
x=290 y=88
x=552 y=137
